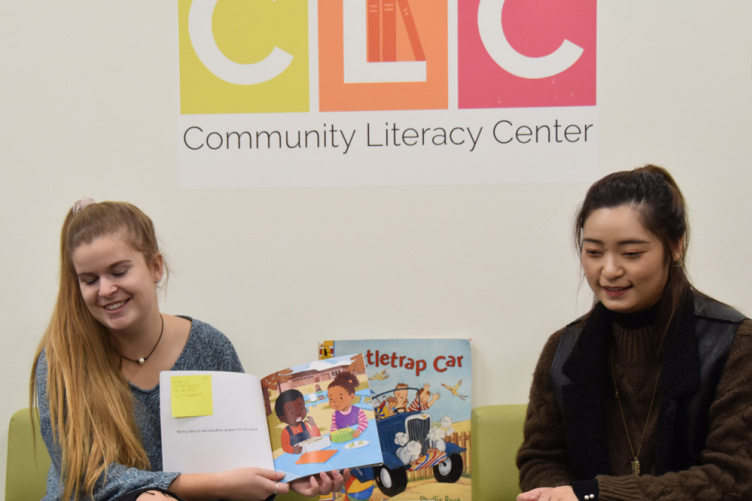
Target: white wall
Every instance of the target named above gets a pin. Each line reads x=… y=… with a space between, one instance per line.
x=88 y=103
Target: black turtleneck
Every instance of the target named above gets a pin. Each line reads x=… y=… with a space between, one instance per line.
x=637 y=320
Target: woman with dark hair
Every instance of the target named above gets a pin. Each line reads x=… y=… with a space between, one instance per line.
x=647 y=396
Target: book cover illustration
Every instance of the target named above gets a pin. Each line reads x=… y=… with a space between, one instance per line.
x=320 y=416
x=301 y=420
x=421 y=398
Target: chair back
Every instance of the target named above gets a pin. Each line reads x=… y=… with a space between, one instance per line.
x=28 y=460
x=496 y=435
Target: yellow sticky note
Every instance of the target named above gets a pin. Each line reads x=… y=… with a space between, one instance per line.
x=191 y=396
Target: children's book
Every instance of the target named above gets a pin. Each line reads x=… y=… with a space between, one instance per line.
x=421 y=398
x=301 y=421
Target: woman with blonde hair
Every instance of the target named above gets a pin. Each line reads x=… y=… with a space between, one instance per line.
x=96 y=375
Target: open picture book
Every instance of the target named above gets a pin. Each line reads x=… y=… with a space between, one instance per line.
x=301 y=421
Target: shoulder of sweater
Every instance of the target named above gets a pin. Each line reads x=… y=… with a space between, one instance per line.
x=201 y=331
x=549 y=351
x=208 y=349
x=737 y=372
x=553 y=342
x=555 y=338
x=745 y=329
x=741 y=347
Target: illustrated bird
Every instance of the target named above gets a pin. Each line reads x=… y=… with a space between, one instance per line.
x=380 y=376
x=453 y=390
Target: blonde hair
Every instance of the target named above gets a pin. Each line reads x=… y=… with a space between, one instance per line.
x=91 y=405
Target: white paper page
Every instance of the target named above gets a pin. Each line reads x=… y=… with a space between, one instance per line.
x=235 y=435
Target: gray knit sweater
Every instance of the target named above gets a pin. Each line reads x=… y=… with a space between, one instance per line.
x=207 y=349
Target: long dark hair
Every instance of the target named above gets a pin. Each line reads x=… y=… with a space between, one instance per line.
x=655 y=195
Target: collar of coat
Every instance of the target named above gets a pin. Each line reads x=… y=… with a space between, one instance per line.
x=586 y=398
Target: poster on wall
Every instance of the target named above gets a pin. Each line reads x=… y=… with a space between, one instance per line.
x=304 y=93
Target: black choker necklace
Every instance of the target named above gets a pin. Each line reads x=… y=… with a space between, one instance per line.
x=142 y=361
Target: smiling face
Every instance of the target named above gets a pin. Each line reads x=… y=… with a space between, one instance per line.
x=116 y=282
x=400 y=394
x=624 y=263
x=293 y=412
x=339 y=398
x=425 y=395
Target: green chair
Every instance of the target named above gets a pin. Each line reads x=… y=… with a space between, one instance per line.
x=496 y=437
x=28 y=462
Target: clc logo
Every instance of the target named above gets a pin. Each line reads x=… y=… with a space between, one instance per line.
x=253 y=56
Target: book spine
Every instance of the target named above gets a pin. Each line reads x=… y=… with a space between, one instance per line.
x=412 y=30
x=373 y=27
x=389 y=30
